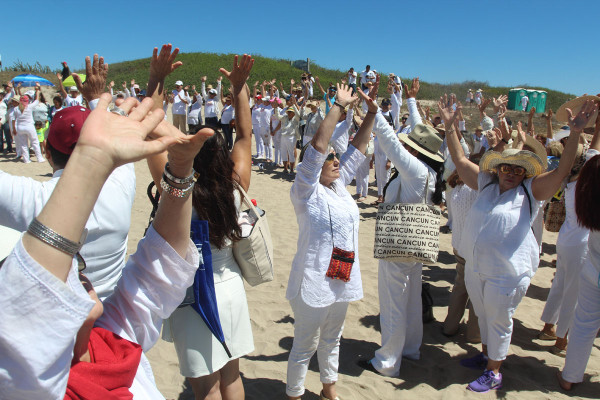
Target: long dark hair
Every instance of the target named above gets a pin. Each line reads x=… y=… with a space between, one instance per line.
x=587 y=193
x=213 y=197
x=440 y=186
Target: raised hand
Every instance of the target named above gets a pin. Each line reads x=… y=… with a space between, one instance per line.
x=163 y=63
x=132 y=82
x=499 y=101
x=531 y=112
x=292 y=82
x=521 y=133
x=95 y=80
x=446 y=113
x=58 y=75
x=580 y=120
x=219 y=79
x=203 y=79
x=484 y=103
x=371 y=104
x=240 y=72
x=344 y=95
x=414 y=88
x=186 y=87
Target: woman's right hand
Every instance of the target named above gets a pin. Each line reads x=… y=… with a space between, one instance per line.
x=414 y=88
x=344 y=95
x=240 y=72
x=371 y=104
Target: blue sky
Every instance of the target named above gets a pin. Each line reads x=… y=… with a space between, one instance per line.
x=508 y=42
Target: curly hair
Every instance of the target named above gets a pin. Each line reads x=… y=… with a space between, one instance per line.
x=587 y=193
x=213 y=194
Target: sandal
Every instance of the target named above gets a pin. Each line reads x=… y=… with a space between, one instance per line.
x=557 y=351
x=327 y=398
x=546 y=336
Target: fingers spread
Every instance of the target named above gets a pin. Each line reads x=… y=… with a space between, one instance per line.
x=139 y=112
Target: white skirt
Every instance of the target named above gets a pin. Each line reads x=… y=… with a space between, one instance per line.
x=198 y=350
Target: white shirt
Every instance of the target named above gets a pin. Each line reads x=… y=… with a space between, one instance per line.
x=571 y=233
x=105 y=247
x=289 y=128
x=314 y=204
x=179 y=104
x=24 y=120
x=367 y=76
x=40 y=316
x=341 y=133
x=497 y=240
x=195 y=114
x=264 y=117
x=396 y=100
x=461 y=200
x=524 y=101
x=256 y=110
x=313 y=121
x=227 y=114
x=73 y=101
x=211 y=105
x=352 y=78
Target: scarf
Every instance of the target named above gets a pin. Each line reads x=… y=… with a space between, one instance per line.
x=110 y=374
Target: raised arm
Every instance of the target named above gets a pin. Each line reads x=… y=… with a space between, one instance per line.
x=95 y=80
x=467 y=170
x=63 y=92
x=530 y=126
x=319 y=84
x=411 y=101
x=241 y=153
x=362 y=137
x=546 y=184
x=321 y=139
x=549 y=132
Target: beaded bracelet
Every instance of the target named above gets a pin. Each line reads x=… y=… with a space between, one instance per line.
x=52 y=238
x=335 y=103
x=179 y=181
x=175 y=191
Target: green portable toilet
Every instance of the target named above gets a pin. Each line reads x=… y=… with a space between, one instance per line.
x=542 y=96
x=533 y=99
x=514 y=98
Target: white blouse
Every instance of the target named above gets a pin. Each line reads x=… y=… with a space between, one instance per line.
x=497 y=240
x=461 y=200
x=319 y=211
x=41 y=315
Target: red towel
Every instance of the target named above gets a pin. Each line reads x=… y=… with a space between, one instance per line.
x=109 y=375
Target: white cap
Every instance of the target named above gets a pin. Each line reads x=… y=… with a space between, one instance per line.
x=266 y=98
x=73 y=89
x=563 y=133
x=212 y=91
x=136 y=86
x=178 y=83
x=8 y=239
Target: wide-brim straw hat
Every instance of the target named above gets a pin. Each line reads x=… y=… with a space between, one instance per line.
x=537 y=148
x=426 y=140
x=523 y=158
x=575 y=106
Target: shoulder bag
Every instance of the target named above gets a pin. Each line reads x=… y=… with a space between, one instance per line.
x=408 y=232
x=254 y=252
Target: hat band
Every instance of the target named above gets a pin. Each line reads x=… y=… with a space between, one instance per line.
x=421 y=145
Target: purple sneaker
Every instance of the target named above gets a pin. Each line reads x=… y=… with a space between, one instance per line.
x=486 y=382
x=478 y=362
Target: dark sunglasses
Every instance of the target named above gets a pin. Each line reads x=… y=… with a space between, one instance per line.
x=81 y=265
x=331 y=156
x=514 y=169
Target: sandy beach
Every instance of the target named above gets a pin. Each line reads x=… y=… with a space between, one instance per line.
x=529 y=371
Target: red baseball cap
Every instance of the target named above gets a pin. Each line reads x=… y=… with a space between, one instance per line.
x=65 y=128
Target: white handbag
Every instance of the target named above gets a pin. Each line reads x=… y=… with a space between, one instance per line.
x=254 y=252
x=408 y=232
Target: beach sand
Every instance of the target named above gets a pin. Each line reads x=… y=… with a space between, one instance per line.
x=529 y=371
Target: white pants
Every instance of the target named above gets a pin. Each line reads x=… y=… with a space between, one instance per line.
x=585 y=325
x=260 y=147
x=315 y=329
x=495 y=303
x=277 y=145
x=382 y=174
x=362 y=177
x=401 y=315
x=562 y=299
x=268 y=143
x=31 y=136
x=288 y=144
x=18 y=139
x=448 y=192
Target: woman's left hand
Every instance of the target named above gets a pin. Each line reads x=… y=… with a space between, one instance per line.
x=580 y=120
x=110 y=140
x=371 y=104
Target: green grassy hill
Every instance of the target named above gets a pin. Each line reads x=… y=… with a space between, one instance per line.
x=195 y=65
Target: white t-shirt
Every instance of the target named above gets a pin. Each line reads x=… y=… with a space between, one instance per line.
x=524 y=101
x=352 y=78
x=70 y=101
x=227 y=114
x=179 y=105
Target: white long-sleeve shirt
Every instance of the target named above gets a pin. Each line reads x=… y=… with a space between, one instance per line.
x=211 y=106
x=396 y=100
x=341 y=133
x=40 y=316
x=180 y=102
x=105 y=247
x=313 y=121
x=319 y=211
x=289 y=128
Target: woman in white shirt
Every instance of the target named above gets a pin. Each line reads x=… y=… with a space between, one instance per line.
x=419 y=166
x=586 y=322
x=290 y=133
x=328 y=227
x=58 y=340
x=228 y=120
x=498 y=244
x=25 y=128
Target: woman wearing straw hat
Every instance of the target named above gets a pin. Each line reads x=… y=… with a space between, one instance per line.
x=325 y=274
x=498 y=244
x=419 y=166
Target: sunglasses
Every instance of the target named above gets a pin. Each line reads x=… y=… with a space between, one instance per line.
x=404 y=119
x=81 y=265
x=514 y=169
x=332 y=156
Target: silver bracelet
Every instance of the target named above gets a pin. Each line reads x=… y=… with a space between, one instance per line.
x=50 y=237
x=175 y=191
x=179 y=181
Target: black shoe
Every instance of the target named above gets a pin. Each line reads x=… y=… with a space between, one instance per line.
x=366 y=365
x=445 y=229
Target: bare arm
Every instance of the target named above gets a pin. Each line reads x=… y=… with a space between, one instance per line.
x=362 y=137
x=321 y=139
x=546 y=184
x=549 y=132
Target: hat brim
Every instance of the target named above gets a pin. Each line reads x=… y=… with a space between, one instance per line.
x=530 y=161
x=403 y=137
x=575 y=106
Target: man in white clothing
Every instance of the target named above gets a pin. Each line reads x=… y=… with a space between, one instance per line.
x=265 y=127
x=352 y=79
x=211 y=103
x=257 y=108
x=367 y=75
x=179 y=101
x=524 y=102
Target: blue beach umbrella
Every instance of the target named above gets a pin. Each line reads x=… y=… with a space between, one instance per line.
x=204 y=286
x=27 y=80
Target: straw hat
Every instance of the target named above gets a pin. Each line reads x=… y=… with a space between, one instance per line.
x=537 y=148
x=425 y=140
x=523 y=158
x=10 y=237
x=575 y=106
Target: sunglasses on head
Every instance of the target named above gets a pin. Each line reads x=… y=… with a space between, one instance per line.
x=514 y=169
x=331 y=156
